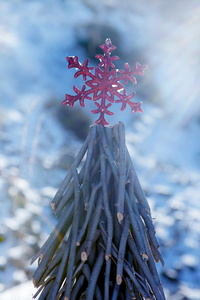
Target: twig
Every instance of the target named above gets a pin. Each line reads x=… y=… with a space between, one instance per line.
x=122 y=172
x=48 y=283
x=106 y=206
x=121 y=253
x=69 y=193
x=94 y=275
x=88 y=215
x=56 y=260
x=75 y=226
x=77 y=287
x=86 y=182
x=115 y=292
x=60 y=272
x=83 y=246
x=107 y=151
x=91 y=229
x=145 y=269
x=53 y=243
x=137 y=187
x=68 y=177
x=138 y=233
x=130 y=294
x=87 y=273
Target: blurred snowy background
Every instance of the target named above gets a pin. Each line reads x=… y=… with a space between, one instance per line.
x=39 y=138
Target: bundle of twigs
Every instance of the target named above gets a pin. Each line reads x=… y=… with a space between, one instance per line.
x=104 y=245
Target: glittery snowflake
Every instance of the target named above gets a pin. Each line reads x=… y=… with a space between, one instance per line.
x=106 y=84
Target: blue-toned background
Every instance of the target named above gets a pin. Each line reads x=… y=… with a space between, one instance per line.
x=39 y=138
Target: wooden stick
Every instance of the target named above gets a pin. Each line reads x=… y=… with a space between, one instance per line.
x=91 y=229
x=58 y=281
x=117 y=226
x=145 y=269
x=94 y=276
x=67 y=179
x=65 y=217
x=45 y=292
x=130 y=295
x=77 y=287
x=43 y=286
x=88 y=215
x=115 y=292
x=96 y=169
x=107 y=279
x=75 y=226
x=155 y=276
x=93 y=253
x=83 y=246
x=153 y=269
x=87 y=273
x=47 y=287
x=55 y=261
x=69 y=193
x=53 y=243
x=138 y=233
x=137 y=187
x=140 y=288
x=122 y=248
x=108 y=131
x=122 y=172
x=131 y=273
x=107 y=151
x=86 y=179
x=106 y=206
x=151 y=234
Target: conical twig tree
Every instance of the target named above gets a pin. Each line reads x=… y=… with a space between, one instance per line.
x=104 y=245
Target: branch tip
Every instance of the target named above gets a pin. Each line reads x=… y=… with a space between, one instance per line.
x=84 y=256
x=119 y=279
x=120 y=217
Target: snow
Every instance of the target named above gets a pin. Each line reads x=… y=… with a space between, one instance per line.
x=23 y=292
x=164 y=143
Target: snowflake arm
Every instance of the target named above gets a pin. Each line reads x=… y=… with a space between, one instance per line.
x=105 y=85
x=83 y=69
x=81 y=96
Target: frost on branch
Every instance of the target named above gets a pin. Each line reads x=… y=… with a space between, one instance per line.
x=106 y=84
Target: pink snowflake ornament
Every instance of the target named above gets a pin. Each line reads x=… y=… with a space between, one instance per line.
x=106 y=85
